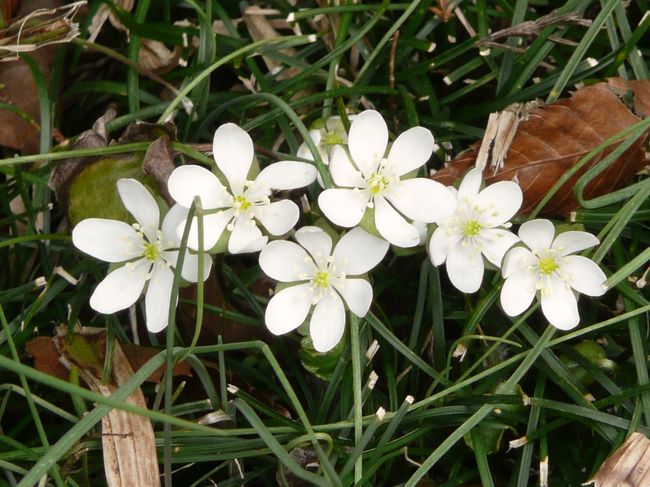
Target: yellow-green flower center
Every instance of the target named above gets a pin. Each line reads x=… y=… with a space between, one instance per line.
x=472 y=228
x=332 y=138
x=242 y=203
x=150 y=252
x=321 y=279
x=377 y=184
x=548 y=266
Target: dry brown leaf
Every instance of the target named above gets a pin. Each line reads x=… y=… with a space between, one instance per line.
x=21 y=131
x=154 y=56
x=46 y=352
x=41 y=24
x=105 y=13
x=128 y=441
x=629 y=466
x=556 y=136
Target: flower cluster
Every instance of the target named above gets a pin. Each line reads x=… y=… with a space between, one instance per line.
x=378 y=200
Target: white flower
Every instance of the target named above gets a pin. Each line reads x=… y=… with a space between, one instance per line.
x=324 y=281
x=367 y=178
x=477 y=227
x=328 y=135
x=549 y=271
x=148 y=251
x=240 y=207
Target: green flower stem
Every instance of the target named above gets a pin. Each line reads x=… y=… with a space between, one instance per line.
x=171 y=328
x=53 y=156
x=356 y=388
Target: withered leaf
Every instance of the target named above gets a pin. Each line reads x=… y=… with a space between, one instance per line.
x=47 y=351
x=629 y=465
x=21 y=129
x=158 y=163
x=128 y=441
x=556 y=136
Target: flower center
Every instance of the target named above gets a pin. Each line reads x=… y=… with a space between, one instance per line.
x=321 y=279
x=242 y=203
x=150 y=251
x=548 y=266
x=472 y=228
x=377 y=184
x=332 y=138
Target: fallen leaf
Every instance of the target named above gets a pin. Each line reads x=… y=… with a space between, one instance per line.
x=47 y=352
x=128 y=441
x=85 y=187
x=628 y=466
x=555 y=137
x=158 y=163
x=21 y=124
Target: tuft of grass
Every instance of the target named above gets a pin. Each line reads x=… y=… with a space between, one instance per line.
x=458 y=380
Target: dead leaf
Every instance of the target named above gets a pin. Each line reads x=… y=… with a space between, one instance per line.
x=38 y=27
x=556 y=136
x=156 y=57
x=21 y=127
x=64 y=172
x=629 y=466
x=158 y=163
x=47 y=351
x=105 y=13
x=128 y=441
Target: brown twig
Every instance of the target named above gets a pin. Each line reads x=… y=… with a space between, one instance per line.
x=532 y=28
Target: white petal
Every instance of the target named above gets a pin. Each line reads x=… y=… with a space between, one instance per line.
x=246 y=237
x=288 y=309
x=465 y=268
x=393 y=227
x=232 y=149
x=158 y=298
x=441 y=243
x=190 y=271
x=303 y=151
x=495 y=242
x=559 y=304
x=422 y=199
x=517 y=259
x=107 y=240
x=213 y=226
x=471 y=184
x=518 y=292
x=139 y=202
x=175 y=217
x=357 y=294
x=343 y=172
x=286 y=175
x=186 y=182
x=121 y=288
x=584 y=274
x=358 y=251
x=537 y=234
x=278 y=217
x=317 y=242
x=500 y=201
x=571 y=242
x=410 y=150
x=344 y=207
x=327 y=323
x=368 y=140
x=286 y=261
